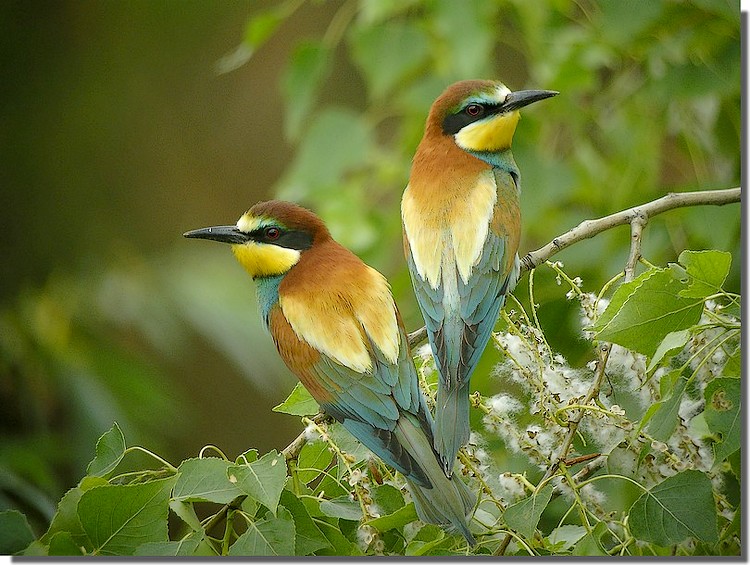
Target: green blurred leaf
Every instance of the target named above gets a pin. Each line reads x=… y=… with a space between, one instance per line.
x=110 y=449
x=523 y=516
x=388 y=54
x=338 y=141
x=262 y=480
x=298 y=403
x=272 y=536
x=308 y=537
x=707 y=271
x=259 y=28
x=119 y=518
x=682 y=506
x=642 y=312
x=467 y=28
x=308 y=68
x=205 y=479
x=723 y=415
x=15 y=532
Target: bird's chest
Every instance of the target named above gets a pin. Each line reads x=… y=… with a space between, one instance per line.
x=446 y=230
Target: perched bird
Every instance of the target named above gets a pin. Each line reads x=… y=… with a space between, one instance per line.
x=336 y=326
x=462 y=221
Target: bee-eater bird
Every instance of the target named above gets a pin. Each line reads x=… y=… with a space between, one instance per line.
x=462 y=222
x=336 y=326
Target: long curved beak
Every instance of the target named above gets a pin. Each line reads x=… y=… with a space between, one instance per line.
x=521 y=98
x=224 y=234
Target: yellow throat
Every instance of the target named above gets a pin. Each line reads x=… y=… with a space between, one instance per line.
x=494 y=134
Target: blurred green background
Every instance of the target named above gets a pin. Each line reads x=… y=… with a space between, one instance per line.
x=125 y=124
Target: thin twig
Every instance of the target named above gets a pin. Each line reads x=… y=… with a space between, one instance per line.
x=590 y=228
x=604 y=349
x=292 y=450
x=637 y=224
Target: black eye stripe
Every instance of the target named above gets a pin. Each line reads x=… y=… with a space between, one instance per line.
x=291 y=239
x=453 y=123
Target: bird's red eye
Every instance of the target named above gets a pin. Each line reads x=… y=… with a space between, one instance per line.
x=473 y=109
x=272 y=233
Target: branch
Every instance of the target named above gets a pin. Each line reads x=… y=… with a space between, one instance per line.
x=590 y=228
x=292 y=450
x=636 y=216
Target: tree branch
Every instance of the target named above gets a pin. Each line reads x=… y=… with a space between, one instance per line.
x=636 y=216
x=590 y=228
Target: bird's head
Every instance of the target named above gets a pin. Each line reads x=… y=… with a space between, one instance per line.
x=270 y=237
x=480 y=115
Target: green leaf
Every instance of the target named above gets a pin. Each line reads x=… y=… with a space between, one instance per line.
x=247 y=457
x=642 y=312
x=187 y=513
x=15 y=532
x=564 y=537
x=262 y=480
x=274 y=535
x=298 y=403
x=666 y=416
x=308 y=67
x=258 y=30
x=313 y=459
x=591 y=543
x=426 y=539
x=723 y=415
x=388 y=54
x=682 y=506
x=523 y=516
x=341 y=507
x=707 y=271
x=119 y=518
x=205 y=479
x=673 y=341
x=339 y=543
x=183 y=547
x=467 y=30
x=395 y=520
x=387 y=498
x=110 y=449
x=308 y=538
x=66 y=517
x=733 y=366
x=63 y=544
x=338 y=141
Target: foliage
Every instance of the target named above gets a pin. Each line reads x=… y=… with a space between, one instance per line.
x=650 y=101
x=647 y=434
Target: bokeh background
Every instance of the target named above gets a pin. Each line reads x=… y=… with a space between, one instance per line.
x=125 y=123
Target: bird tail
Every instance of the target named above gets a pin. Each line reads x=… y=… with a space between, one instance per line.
x=451 y=423
x=448 y=504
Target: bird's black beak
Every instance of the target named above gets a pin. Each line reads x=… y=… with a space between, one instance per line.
x=224 y=234
x=521 y=98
